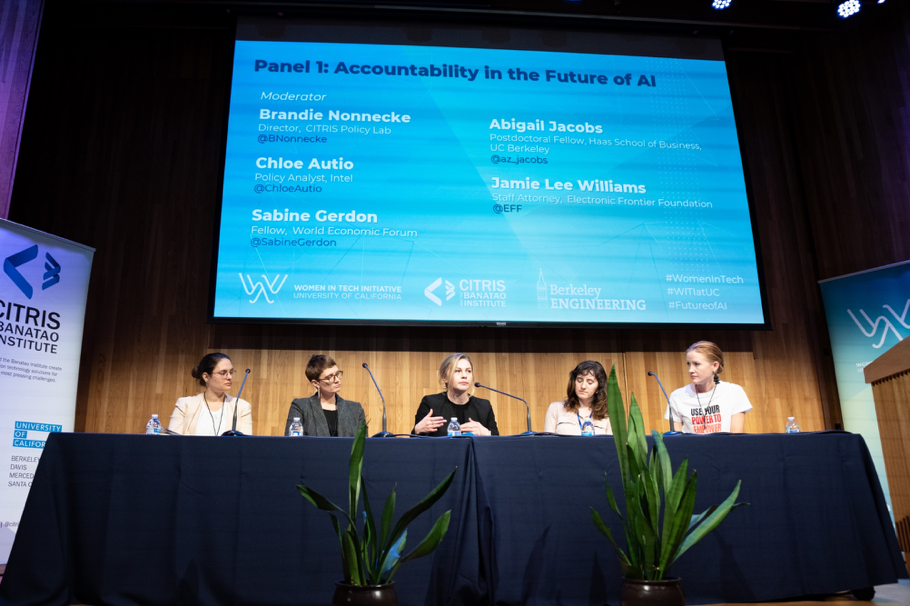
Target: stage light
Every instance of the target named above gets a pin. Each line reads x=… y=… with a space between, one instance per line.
x=721 y=4
x=848 y=8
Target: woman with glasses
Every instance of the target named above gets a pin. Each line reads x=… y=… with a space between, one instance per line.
x=211 y=413
x=325 y=413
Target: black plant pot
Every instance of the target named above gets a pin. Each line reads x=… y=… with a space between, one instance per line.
x=365 y=595
x=652 y=593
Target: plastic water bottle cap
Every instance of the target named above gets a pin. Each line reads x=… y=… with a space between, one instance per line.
x=790 y=418
x=296 y=418
x=454 y=418
x=154 y=416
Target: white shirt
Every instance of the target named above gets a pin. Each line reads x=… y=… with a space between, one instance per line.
x=558 y=420
x=707 y=412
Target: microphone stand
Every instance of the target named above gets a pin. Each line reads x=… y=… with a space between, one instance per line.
x=233 y=431
x=527 y=408
x=384 y=433
x=672 y=432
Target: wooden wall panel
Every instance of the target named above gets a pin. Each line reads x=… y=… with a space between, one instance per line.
x=851 y=92
x=130 y=164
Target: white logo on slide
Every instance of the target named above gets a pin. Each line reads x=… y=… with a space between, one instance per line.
x=884 y=321
x=259 y=288
x=428 y=291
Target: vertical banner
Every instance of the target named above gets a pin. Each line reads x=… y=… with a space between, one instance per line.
x=867 y=315
x=43 y=291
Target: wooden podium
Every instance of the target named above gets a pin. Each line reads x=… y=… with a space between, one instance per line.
x=889 y=375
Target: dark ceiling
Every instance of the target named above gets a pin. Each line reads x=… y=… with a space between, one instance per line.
x=678 y=15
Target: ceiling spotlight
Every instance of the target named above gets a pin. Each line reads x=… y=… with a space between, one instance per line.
x=848 y=8
x=721 y=4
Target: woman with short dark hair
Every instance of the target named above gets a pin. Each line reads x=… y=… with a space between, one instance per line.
x=325 y=413
x=211 y=413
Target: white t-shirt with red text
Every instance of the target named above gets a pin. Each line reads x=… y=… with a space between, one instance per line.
x=707 y=412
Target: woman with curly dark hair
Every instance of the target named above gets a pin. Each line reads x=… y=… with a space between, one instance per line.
x=584 y=411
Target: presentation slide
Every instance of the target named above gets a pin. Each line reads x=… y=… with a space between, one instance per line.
x=409 y=183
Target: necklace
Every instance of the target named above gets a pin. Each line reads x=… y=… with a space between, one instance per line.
x=212 y=415
x=697 y=399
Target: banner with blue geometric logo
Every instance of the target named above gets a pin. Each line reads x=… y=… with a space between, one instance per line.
x=43 y=290
x=867 y=315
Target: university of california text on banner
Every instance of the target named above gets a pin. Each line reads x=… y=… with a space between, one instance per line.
x=42 y=311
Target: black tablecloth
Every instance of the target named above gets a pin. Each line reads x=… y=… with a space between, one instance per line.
x=120 y=519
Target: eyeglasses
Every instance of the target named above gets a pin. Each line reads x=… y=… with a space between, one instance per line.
x=332 y=378
x=224 y=374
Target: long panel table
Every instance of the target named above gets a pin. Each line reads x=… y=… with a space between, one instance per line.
x=135 y=519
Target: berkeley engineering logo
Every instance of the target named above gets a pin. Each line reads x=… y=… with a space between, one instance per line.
x=428 y=291
x=51 y=269
x=260 y=289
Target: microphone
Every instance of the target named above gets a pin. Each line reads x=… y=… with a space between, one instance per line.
x=233 y=431
x=384 y=433
x=672 y=432
x=527 y=408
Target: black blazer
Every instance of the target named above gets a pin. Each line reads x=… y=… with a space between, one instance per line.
x=350 y=416
x=476 y=408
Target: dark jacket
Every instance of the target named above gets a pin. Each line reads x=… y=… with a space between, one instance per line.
x=350 y=416
x=476 y=409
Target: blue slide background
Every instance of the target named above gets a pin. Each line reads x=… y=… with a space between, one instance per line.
x=449 y=246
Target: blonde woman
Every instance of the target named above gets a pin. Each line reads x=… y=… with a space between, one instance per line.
x=707 y=404
x=475 y=415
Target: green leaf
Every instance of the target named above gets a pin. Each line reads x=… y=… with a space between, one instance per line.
x=640 y=442
x=619 y=423
x=432 y=540
x=388 y=512
x=393 y=556
x=624 y=562
x=349 y=561
x=680 y=524
x=336 y=526
x=321 y=502
x=612 y=502
x=710 y=522
x=671 y=506
x=370 y=536
x=644 y=532
x=423 y=505
x=355 y=469
x=663 y=457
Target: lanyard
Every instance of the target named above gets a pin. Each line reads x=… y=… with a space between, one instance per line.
x=580 y=425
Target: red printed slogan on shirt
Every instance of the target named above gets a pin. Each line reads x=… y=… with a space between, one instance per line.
x=707 y=420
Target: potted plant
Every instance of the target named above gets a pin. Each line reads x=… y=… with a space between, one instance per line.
x=370 y=560
x=659 y=524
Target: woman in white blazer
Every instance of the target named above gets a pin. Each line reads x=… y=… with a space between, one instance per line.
x=211 y=413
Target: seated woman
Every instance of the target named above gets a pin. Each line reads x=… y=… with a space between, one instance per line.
x=211 y=413
x=456 y=373
x=708 y=405
x=586 y=399
x=325 y=413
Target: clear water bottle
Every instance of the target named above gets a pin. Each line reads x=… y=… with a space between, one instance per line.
x=587 y=428
x=153 y=427
x=791 y=427
x=454 y=427
x=296 y=428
